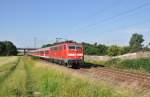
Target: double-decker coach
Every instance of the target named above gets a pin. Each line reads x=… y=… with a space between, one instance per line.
x=69 y=53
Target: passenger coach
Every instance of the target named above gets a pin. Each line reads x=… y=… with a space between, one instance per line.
x=68 y=53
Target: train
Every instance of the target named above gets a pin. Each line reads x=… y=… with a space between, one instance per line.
x=68 y=53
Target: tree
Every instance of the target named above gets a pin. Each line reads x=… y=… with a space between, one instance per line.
x=46 y=45
x=90 y=49
x=114 y=50
x=126 y=49
x=95 y=44
x=94 y=49
x=2 y=48
x=7 y=48
x=102 y=49
x=10 y=48
x=136 y=42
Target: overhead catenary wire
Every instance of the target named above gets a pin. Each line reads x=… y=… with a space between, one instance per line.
x=116 y=16
x=100 y=11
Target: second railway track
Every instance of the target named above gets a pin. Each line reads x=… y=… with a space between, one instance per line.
x=142 y=80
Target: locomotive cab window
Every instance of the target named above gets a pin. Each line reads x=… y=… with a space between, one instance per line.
x=78 y=48
x=72 y=47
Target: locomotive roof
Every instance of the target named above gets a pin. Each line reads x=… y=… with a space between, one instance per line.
x=70 y=41
x=54 y=44
x=57 y=43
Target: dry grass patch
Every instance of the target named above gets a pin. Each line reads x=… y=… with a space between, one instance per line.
x=7 y=60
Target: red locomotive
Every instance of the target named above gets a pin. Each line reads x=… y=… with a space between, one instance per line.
x=68 y=53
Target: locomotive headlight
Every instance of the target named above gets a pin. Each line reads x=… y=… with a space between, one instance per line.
x=75 y=54
x=79 y=54
x=71 y=54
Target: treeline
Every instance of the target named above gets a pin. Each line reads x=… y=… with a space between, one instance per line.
x=46 y=45
x=7 y=48
x=135 y=44
x=101 y=49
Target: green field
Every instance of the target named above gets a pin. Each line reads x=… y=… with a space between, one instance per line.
x=25 y=77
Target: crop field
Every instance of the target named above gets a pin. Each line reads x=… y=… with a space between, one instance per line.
x=25 y=77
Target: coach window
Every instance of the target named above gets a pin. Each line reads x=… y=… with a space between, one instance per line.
x=61 y=47
x=58 y=48
x=52 y=48
x=55 y=48
x=41 y=52
x=64 y=47
x=46 y=52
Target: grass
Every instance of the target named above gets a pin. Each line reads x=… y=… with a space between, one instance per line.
x=35 y=57
x=7 y=60
x=12 y=85
x=31 y=78
x=29 y=81
x=7 y=69
x=50 y=82
x=142 y=64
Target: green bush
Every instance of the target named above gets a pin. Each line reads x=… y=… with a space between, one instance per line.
x=114 y=50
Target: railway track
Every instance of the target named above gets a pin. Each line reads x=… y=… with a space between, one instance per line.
x=118 y=75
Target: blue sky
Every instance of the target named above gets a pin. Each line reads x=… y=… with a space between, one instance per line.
x=80 y=20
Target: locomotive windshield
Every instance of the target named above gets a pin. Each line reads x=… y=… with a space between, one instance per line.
x=78 y=47
x=73 y=47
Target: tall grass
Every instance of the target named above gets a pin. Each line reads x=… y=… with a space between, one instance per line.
x=14 y=85
x=142 y=64
x=31 y=79
x=53 y=83
x=7 y=69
